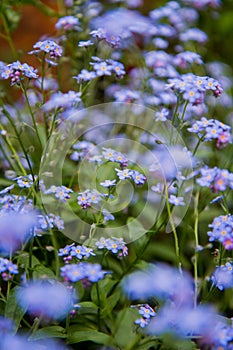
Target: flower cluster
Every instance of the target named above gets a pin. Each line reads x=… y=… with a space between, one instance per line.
x=216 y=179
x=47 y=222
x=146 y=312
x=222 y=276
x=7 y=269
x=83 y=271
x=72 y=251
x=212 y=129
x=47 y=46
x=60 y=192
x=193 y=87
x=17 y=70
x=222 y=231
x=114 y=245
x=68 y=22
x=86 y=198
x=101 y=68
x=62 y=100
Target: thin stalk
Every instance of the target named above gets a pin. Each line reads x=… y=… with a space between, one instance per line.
x=21 y=144
x=8 y=35
x=31 y=112
x=176 y=241
x=198 y=144
x=98 y=312
x=195 y=263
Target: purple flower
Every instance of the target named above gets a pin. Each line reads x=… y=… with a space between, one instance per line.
x=222 y=231
x=44 y=299
x=102 y=68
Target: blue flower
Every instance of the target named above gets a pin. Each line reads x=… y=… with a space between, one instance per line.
x=85 y=75
x=44 y=299
x=107 y=215
x=222 y=276
x=124 y=174
x=176 y=200
x=83 y=270
x=108 y=183
x=68 y=22
x=85 y=43
x=19 y=228
x=16 y=70
x=139 y=179
x=47 y=46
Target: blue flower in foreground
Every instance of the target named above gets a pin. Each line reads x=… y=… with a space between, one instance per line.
x=46 y=300
x=19 y=342
x=139 y=179
x=25 y=181
x=7 y=326
x=184 y=321
x=15 y=229
x=124 y=174
x=161 y=281
x=7 y=269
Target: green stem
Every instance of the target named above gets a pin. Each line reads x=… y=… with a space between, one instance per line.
x=8 y=35
x=31 y=113
x=198 y=144
x=195 y=263
x=176 y=241
x=98 y=312
x=21 y=144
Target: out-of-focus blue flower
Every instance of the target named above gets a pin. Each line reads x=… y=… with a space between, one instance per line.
x=107 y=215
x=15 y=229
x=86 y=43
x=81 y=271
x=108 y=183
x=68 y=22
x=65 y=100
x=45 y=299
x=176 y=200
x=161 y=281
x=222 y=276
x=7 y=326
x=184 y=321
x=162 y=115
x=18 y=342
x=193 y=34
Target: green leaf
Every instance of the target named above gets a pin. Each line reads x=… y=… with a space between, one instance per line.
x=42 y=271
x=124 y=334
x=12 y=309
x=49 y=332
x=23 y=260
x=94 y=336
